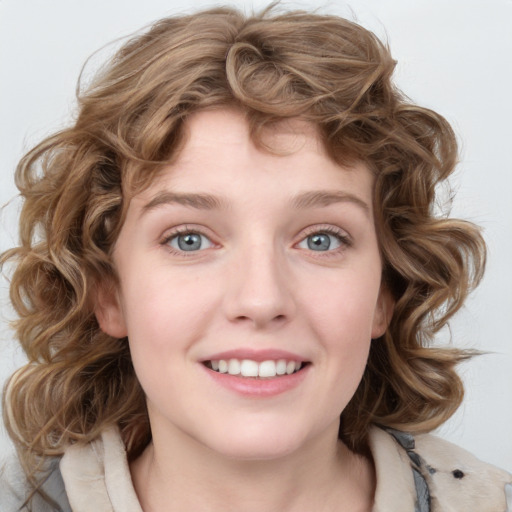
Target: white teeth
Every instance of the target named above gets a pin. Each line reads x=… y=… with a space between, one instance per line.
x=234 y=367
x=281 y=367
x=250 y=368
x=267 y=369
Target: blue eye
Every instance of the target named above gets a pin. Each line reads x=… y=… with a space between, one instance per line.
x=321 y=241
x=189 y=242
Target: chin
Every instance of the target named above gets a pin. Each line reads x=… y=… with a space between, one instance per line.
x=257 y=450
x=257 y=443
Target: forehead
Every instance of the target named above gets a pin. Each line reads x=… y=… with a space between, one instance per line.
x=216 y=143
x=282 y=137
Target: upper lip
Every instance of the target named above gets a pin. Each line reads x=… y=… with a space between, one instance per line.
x=255 y=355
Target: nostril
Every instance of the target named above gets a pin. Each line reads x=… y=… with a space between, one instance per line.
x=245 y=318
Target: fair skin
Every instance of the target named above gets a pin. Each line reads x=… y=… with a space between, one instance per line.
x=236 y=254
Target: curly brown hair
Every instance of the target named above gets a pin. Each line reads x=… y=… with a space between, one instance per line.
x=76 y=186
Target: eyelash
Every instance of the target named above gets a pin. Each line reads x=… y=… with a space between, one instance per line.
x=343 y=238
x=182 y=230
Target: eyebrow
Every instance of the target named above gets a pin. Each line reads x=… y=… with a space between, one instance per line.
x=198 y=201
x=312 y=199
x=320 y=198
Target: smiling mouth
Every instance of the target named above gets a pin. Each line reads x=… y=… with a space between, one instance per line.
x=255 y=369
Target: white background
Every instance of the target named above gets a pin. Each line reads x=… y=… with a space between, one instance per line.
x=454 y=56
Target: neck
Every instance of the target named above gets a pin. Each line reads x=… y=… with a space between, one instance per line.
x=178 y=473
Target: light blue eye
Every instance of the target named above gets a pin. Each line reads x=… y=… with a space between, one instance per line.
x=320 y=242
x=190 y=242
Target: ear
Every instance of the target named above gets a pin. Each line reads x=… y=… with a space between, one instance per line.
x=383 y=312
x=108 y=310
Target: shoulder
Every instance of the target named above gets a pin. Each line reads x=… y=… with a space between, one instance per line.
x=13 y=484
x=442 y=475
x=97 y=475
x=15 y=489
x=458 y=478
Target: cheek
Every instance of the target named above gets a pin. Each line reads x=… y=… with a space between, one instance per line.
x=342 y=318
x=343 y=328
x=163 y=322
x=345 y=308
x=164 y=312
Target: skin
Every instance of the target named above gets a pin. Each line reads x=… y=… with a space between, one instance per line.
x=254 y=284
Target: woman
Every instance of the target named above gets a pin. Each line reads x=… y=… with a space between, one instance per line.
x=228 y=277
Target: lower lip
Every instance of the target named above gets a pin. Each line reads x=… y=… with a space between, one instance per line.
x=258 y=388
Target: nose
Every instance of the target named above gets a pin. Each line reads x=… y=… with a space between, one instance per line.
x=259 y=291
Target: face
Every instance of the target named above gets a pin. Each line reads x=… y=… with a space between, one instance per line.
x=249 y=289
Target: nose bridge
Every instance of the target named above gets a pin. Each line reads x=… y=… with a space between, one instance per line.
x=258 y=290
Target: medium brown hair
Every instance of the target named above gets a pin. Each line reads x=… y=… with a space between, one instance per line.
x=76 y=186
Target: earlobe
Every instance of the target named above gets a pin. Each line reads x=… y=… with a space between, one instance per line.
x=108 y=311
x=383 y=313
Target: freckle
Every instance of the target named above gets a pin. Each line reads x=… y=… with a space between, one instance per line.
x=457 y=473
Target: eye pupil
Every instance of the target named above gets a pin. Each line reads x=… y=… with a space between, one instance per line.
x=189 y=242
x=319 y=242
